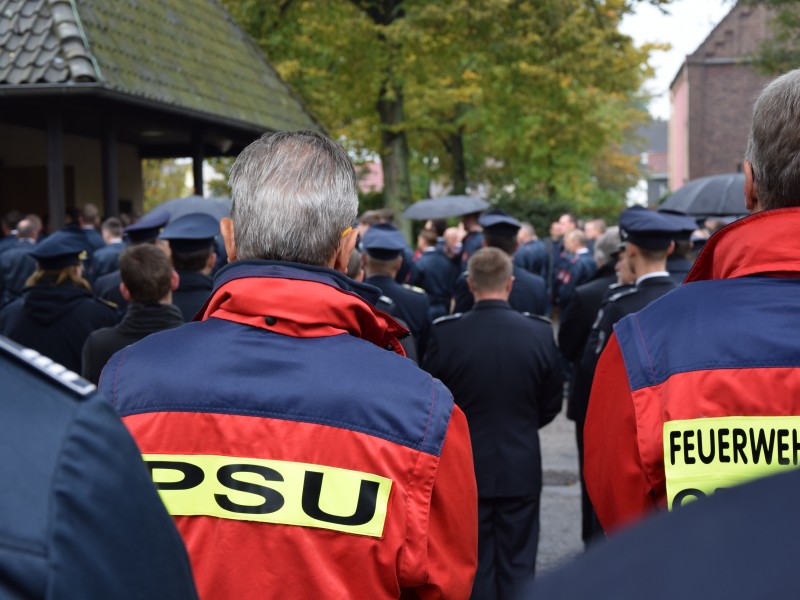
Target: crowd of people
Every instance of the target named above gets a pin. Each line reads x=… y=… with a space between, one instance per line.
x=326 y=411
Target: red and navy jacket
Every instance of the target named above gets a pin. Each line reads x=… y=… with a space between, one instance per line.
x=723 y=348
x=298 y=455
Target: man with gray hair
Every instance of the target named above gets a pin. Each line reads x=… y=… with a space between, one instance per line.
x=670 y=419
x=300 y=454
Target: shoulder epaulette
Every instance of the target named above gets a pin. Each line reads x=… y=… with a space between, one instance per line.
x=623 y=294
x=413 y=288
x=537 y=318
x=385 y=300
x=108 y=303
x=48 y=368
x=446 y=318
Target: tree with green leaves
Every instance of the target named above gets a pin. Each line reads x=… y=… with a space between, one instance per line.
x=781 y=51
x=537 y=97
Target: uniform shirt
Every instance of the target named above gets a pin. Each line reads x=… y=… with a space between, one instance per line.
x=504 y=371
x=193 y=290
x=106 y=287
x=55 y=320
x=16 y=266
x=532 y=256
x=720 y=345
x=528 y=293
x=578 y=269
x=436 y=274
x=106 y=259
x=471 y=243
x=411 y=306
x=79 y=515
x=275 y=400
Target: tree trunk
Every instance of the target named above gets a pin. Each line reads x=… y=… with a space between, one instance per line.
x=455 y=145
x=394 y=150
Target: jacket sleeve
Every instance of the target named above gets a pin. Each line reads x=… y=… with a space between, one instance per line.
x=573 y=332
x=552 y=388
x=111 y=536
x=453 y=525
x=615 y=478
x=462 y=296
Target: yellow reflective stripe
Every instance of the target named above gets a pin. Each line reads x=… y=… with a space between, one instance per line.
x=271 y=491
x=704 y=455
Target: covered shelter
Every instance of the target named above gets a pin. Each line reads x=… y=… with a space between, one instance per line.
x=89 y=88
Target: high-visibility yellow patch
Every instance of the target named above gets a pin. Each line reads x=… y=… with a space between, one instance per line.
x=271 y=491
x=704 y=455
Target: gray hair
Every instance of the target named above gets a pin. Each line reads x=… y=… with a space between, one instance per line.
x=773 y=146
x=606 y=245
x=292 y=196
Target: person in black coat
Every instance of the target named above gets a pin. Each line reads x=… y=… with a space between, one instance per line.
x=79 y=515
x=436 y=273
x=17 y=264
x=106 y=258
x=531 y=253
x=383 y=246
x=192 y=249
x=145 y=231
x=57 y=312
x=647 y=239
x=148 y=281
x=529 y=293
x=504 y=371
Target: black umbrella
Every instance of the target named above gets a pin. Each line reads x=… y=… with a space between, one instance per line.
x=714 y=196
x=446 y=206
x=178 y=207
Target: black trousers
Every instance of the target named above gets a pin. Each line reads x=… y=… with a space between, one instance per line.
x=508 y=538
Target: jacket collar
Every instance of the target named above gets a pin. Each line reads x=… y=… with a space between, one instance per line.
x=300 y=301
x=490 y=304
x=765 y=243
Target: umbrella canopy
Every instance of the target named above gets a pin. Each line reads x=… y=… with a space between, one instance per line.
x=714 y=196
x=446 y=206
x=178 y=207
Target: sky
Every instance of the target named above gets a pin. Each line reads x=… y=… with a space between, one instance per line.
x=685 y=27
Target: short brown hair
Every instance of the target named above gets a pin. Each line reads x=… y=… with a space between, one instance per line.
x=489 y=269
x=146 y=272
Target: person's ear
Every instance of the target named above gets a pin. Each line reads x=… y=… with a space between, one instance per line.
x=343 y=252
x=509 y=284
x=212 y=260
x=123 y=289
x=226 y=229
x=175 y=281
x=469 y=285
x=750 y=189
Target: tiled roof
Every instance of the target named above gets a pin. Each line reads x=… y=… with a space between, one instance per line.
x=185 y=53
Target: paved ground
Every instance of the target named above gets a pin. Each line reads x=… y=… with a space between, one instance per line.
x=560 y=537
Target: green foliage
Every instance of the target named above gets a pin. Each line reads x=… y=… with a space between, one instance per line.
x=538 y=211
x=164 y=180
x=539 y=96
x=781 y=51
x=218 y=186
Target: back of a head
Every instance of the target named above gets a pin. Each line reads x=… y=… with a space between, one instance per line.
x=28 y=228
x=489 y=270
x=606 y=245
x=146 y=272
x=503 y=238
x=576 y=237
x=90 y=213
x=292 y=196
x=113 y=226
x=773 y=147
x=428 y=237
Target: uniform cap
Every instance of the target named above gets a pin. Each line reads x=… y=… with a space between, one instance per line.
x=191 y=233
x=148 y=227
x=653 y=230
x=59 y=250
x=384 y=242
x=499 y=220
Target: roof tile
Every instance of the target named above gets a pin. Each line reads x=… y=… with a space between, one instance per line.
x=188 y=53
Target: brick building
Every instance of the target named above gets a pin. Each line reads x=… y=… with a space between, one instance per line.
x=712 y=98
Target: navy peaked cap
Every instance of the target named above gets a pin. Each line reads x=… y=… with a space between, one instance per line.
x=148 y=227
x=384 y=242
x=653 y=230
x=59 y=250
x=498 y=218
x=191 y=232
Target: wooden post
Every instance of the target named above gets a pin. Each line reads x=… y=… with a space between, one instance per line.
x=56 y=203
x=110 y=171
x=197 y=162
